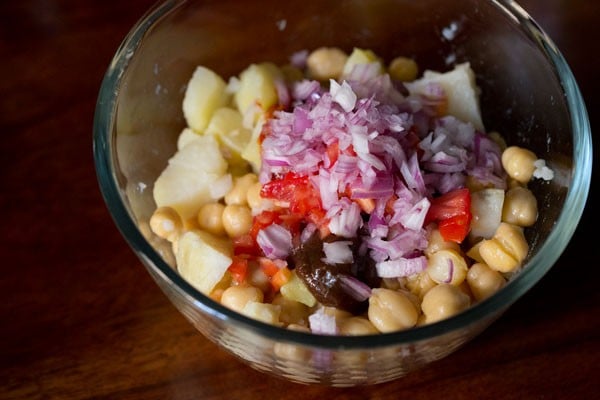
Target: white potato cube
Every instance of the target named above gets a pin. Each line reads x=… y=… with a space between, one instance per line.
x=205 y=93
x=486 y=208
x=257 y=87
x=186 y=181
x=202 y=259
x=361 y=56
x=251 y=152
x=186 y=136
x=461 y=91
x=227 y=126
x=296 y=290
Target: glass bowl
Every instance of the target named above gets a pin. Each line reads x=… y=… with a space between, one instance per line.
x=528 y=94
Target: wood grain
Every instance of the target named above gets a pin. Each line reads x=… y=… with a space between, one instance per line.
x=81 y=318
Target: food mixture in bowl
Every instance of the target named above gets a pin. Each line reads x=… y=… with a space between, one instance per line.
x=342 y=194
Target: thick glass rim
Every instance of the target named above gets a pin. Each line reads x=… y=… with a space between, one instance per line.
x=538 y=266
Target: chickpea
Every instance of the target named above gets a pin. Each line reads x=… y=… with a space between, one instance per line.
x=518 y=163
x=506 y=250
x=237 y=220
x=238 y=193
x=443 y=301
x=355 y=326
x=253 y=198
x=436 y=243
x=520 y=207
x=390 y=310
x=236 y=297
x=326 y=63
x=484 y=281
x=447 y=266
x=210 y=218
x=419 y=284
x=403 y=69
x=473 y=252
x=166 y=223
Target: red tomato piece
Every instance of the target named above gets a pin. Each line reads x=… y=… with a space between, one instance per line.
x=295 y=190
x=448 y=205
x=452 y=211
x=455 y=228
x=245 y=244
x=239 y=269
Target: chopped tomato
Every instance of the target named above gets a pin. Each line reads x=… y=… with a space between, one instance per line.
x=245 y=244
x=296 y=190
x=455 y=228
x=451 y=204
x=239 y=269
x=268 y=266
x=452 y=212
x=280 y=278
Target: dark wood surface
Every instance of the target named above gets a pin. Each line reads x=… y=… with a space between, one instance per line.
x=80 y=317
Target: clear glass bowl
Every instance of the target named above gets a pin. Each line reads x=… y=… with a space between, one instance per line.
x=528 y=94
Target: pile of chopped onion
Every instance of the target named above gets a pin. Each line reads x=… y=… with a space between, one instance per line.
x=394 y=154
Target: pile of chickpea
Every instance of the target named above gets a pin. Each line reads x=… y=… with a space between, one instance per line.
x=456 y=276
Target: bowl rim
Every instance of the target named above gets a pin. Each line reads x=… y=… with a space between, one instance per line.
x=538 y=266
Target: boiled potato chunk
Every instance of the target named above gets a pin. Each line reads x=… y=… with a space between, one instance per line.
x=185 y=183
x=296 y=290
x=204 y=94
x=202 y=259
x=227 y=126
x=186 y=136
x=268 y=313
x=486 y=208
x=461 y=91
x=360 y=56
x=257 y=87
x=251 y=152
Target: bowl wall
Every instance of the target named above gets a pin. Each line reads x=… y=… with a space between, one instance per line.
x=527 y=94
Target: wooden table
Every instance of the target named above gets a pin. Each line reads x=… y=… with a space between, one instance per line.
x=80 y=317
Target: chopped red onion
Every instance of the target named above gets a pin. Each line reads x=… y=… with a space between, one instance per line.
x=347 y=221
x=392 y=150
x=414 y=218
x=342 y=94
x=359 y=290
x=275 y=241
x=322 y=323
x=401 y=267
x=338 y=252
